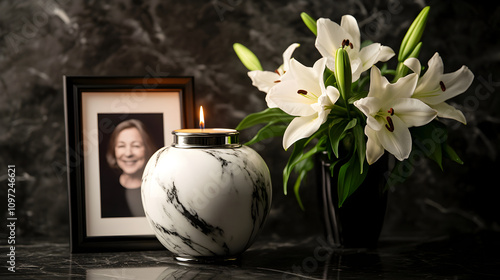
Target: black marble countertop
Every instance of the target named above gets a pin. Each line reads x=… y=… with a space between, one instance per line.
x=463 y=256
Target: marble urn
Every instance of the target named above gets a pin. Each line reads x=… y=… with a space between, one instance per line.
x=206 y=196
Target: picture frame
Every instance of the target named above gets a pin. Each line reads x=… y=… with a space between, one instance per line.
x=106 y=119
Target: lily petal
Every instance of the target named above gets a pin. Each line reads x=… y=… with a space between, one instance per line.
x=285 y=96
x=389 y=111
x=301 y=127
x=413 y=64
x=299 y=88
x=454 y=83
x=430 y=80
x=397 y=142
x=381 y=88
x=330 y=37
x=270 y=103
x=263 y=80
x=378 y=83
x=287 y=55
x=445 y=110
x=404 y=88
x=413 y=112
x=371 y=54
x=374 y=149
x=332 y=93
x=350 y=25
x=306 y=77
x=386 y=53
x=370 y=106
x=434 y=87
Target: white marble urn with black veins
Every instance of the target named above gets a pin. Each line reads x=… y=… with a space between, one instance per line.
x=206 y=196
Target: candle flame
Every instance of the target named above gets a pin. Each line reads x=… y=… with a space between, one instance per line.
x=202 y=118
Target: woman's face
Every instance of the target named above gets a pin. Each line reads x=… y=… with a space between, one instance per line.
x=130 y=151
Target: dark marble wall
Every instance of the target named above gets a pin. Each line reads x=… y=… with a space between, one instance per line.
x=43 y=40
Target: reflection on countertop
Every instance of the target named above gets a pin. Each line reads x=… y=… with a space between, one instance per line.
x=463 y=256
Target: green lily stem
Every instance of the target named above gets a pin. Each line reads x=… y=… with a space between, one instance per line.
x=388 y=72
x=339 y=111
x=347 y=110
x=401 y=71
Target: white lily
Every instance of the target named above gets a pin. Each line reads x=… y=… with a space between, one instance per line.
x=434 y=87
x=265 y=80
x=332 y=36
x=390 y=111
x=302 y=93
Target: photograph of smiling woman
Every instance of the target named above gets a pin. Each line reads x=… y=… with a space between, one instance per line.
x=129 y=148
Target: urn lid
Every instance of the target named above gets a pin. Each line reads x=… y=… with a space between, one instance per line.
x=206 y=138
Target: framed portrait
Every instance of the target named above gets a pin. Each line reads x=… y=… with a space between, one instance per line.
x=113 y=126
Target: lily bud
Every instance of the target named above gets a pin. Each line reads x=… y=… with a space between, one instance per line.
x=401 y=69
x=413 y=35
x=247 y=57
x=343 y=73
x=416 y=50
x=310 y=22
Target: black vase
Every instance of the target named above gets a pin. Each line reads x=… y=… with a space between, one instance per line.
x=358 y=223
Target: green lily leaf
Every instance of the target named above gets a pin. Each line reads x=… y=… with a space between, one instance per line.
x=310 y=23
x=294 y=158
x=268 y=131
x=357 y=96
x=352 y=123
x=266 y=116
x=437 y=156
x=429 y=138
x=350 y=178
x=360 y=85
x=336 y=134
x=451 y=154
x=333 y=171
x=329 y=78
x=296 y=188
x=297 y=156
x=338 y=131
x=302 y=168
x=360 y=144
x=366 y=43
x=247 y=57
x=404 y=169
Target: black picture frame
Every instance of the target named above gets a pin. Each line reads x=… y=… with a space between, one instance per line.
x=83 y=97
